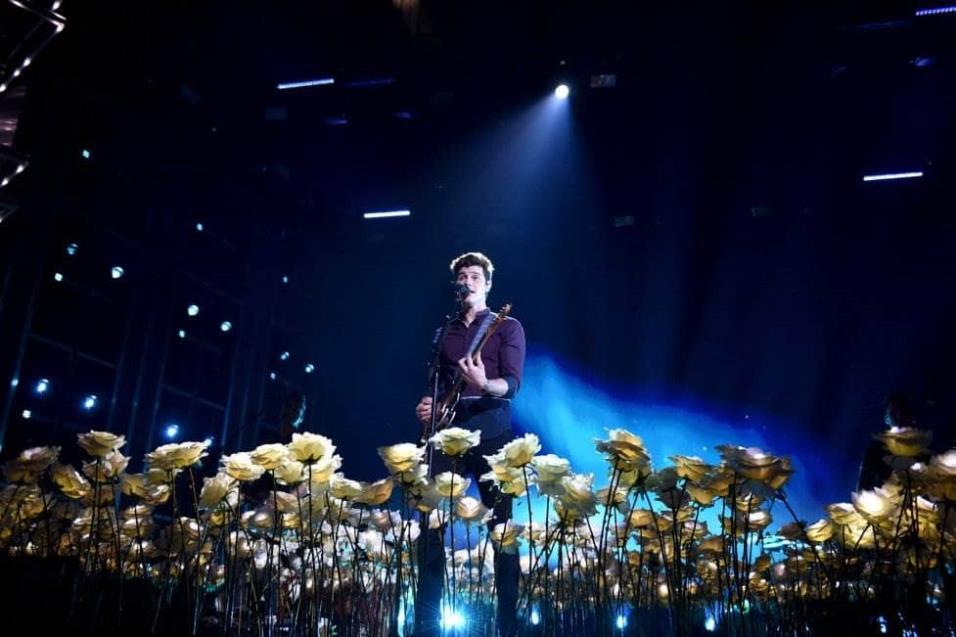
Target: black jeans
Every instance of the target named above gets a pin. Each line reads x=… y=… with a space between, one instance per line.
x=431 y=555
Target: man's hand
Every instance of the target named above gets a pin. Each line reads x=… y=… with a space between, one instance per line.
x=423 y=410
x=473 y=369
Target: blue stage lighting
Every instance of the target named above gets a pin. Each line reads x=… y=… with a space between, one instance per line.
x=284 y=356
x=621 y=622
x=117 y=272
x=225 y=326
x=209 y=441
x=535 y=617
x=199 y=226
x=309 y=368
x=171 y=431
x=285 y=279
x=936 y=11
x=192 y=310
x=452 y=619
x=89 y=402
x=322 y=81
x=42 y=386
x=562 y=91
x=27 y=414
x=71 y=249
x=85 y=153
x=710 y=624
x=887 y=176
x=388 y=214
x=57 y=277
x=272 y=375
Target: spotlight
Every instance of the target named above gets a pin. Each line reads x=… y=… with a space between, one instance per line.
x=887 y=176
x=181 y=334
x=285 y=86
x=535 y=617
x=209 y=441
x=199 y=227
x=57 y=277
x=27 y=414
x=562 y=91
x=621 y=622
x=309 y=368
x=117 y=272
x=225 y=326
x=452 y=619
x=171 y=431
x=284 y=356
x=388 y=214
x=710 y=624
x=935 y=11
x=85 y=153
x=285 y=279
x=89 y=402
x=42 y=386
x=192 y=310
x=71 y=249
x=272 y=375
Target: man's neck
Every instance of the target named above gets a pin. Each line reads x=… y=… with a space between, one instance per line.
x=471 y=312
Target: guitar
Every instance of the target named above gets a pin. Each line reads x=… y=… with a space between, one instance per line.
x=446 y=408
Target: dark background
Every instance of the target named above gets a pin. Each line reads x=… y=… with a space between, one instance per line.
x=697 y=237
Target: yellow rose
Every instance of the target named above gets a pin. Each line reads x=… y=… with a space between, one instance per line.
x=105 y=469
x=691 y=467
x=469 y=509
x=455 y=441
x=100 y=443
x=874 y=505
x=520 y=451
x=176 y=455
x=343 y=488
x=504 y=537
x=820 y=531
x=71 y=482
x=309 y=448
x=376 y=493
x=216 y=490
x=578 y=495
x=291 y=473
x=28 y=466
x=549 y=469
x=451 y=485
x=402 y=457
x=270 y=456
x=240 y=466
x=906 y=442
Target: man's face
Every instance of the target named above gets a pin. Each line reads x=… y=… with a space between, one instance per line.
x=474 y=277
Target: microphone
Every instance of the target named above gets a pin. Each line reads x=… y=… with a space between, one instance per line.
x=461 y=290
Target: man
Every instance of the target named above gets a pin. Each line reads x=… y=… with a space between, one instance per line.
x=491 y=381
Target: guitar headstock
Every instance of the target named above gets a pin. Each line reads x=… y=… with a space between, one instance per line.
x=504 y=311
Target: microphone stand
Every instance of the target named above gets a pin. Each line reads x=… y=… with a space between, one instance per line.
x=434 y=371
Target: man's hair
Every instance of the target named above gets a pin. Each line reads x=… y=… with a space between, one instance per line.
x=472 y=258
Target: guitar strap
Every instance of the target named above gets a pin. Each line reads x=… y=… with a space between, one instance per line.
x=480 y=334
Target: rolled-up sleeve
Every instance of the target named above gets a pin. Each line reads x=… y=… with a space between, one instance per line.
x=511 y=355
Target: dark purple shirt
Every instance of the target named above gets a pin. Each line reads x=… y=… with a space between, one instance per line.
x=503 y=354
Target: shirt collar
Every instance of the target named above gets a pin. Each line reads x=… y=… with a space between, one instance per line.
x=479 y=316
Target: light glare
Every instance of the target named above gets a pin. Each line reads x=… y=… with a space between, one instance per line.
x=562 y=92
x=387 y=214
x=884 y=177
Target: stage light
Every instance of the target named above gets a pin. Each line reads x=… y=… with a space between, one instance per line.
x=621 y=622
x=71 y=249
x=171 y=431
x=117 y=272
x=284 y=356
x=387 y=214
x=21 y=168
x=181 y=334
x=272 y=375
x=886 y=176
x=562 y=92
x=209 y=441
x=27 y=414
x=85 y=153
x=225 y=326
x=57 y=277
x=936 y=11
x=452 y=619
x=535 y=617
x=710 y=624
x=285 y=279
x=200 y=227
x=309 y=368
x=192 y=310
x=322 y=81
x=89 y=402
x=42 y=386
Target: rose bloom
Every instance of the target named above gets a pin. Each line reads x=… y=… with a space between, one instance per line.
x=451 y=485
x=156 y=494
x=469 y=509
x=309 y=448
x=624 y=450
x=343 y=488
x=455 y=441
x=270 y=456
x=944 y=465
x=28 y=466
x=549 y=470
x=402 y=457
x=376 y=493
x=820 y=531
x=520 y=451
x=240 y=466
x=907 y=442
x=578 y=494
x=134 y=484
x=106 y=468
x=509 y=480
x=504 y=537
x=702 y=496
x=71 y=482
x=291 y=473
x=100 y=443
x=176 y=455
x=217 y=489
x=873 y=505
x=321 y=472
x=641 y=518
x=691 y=467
